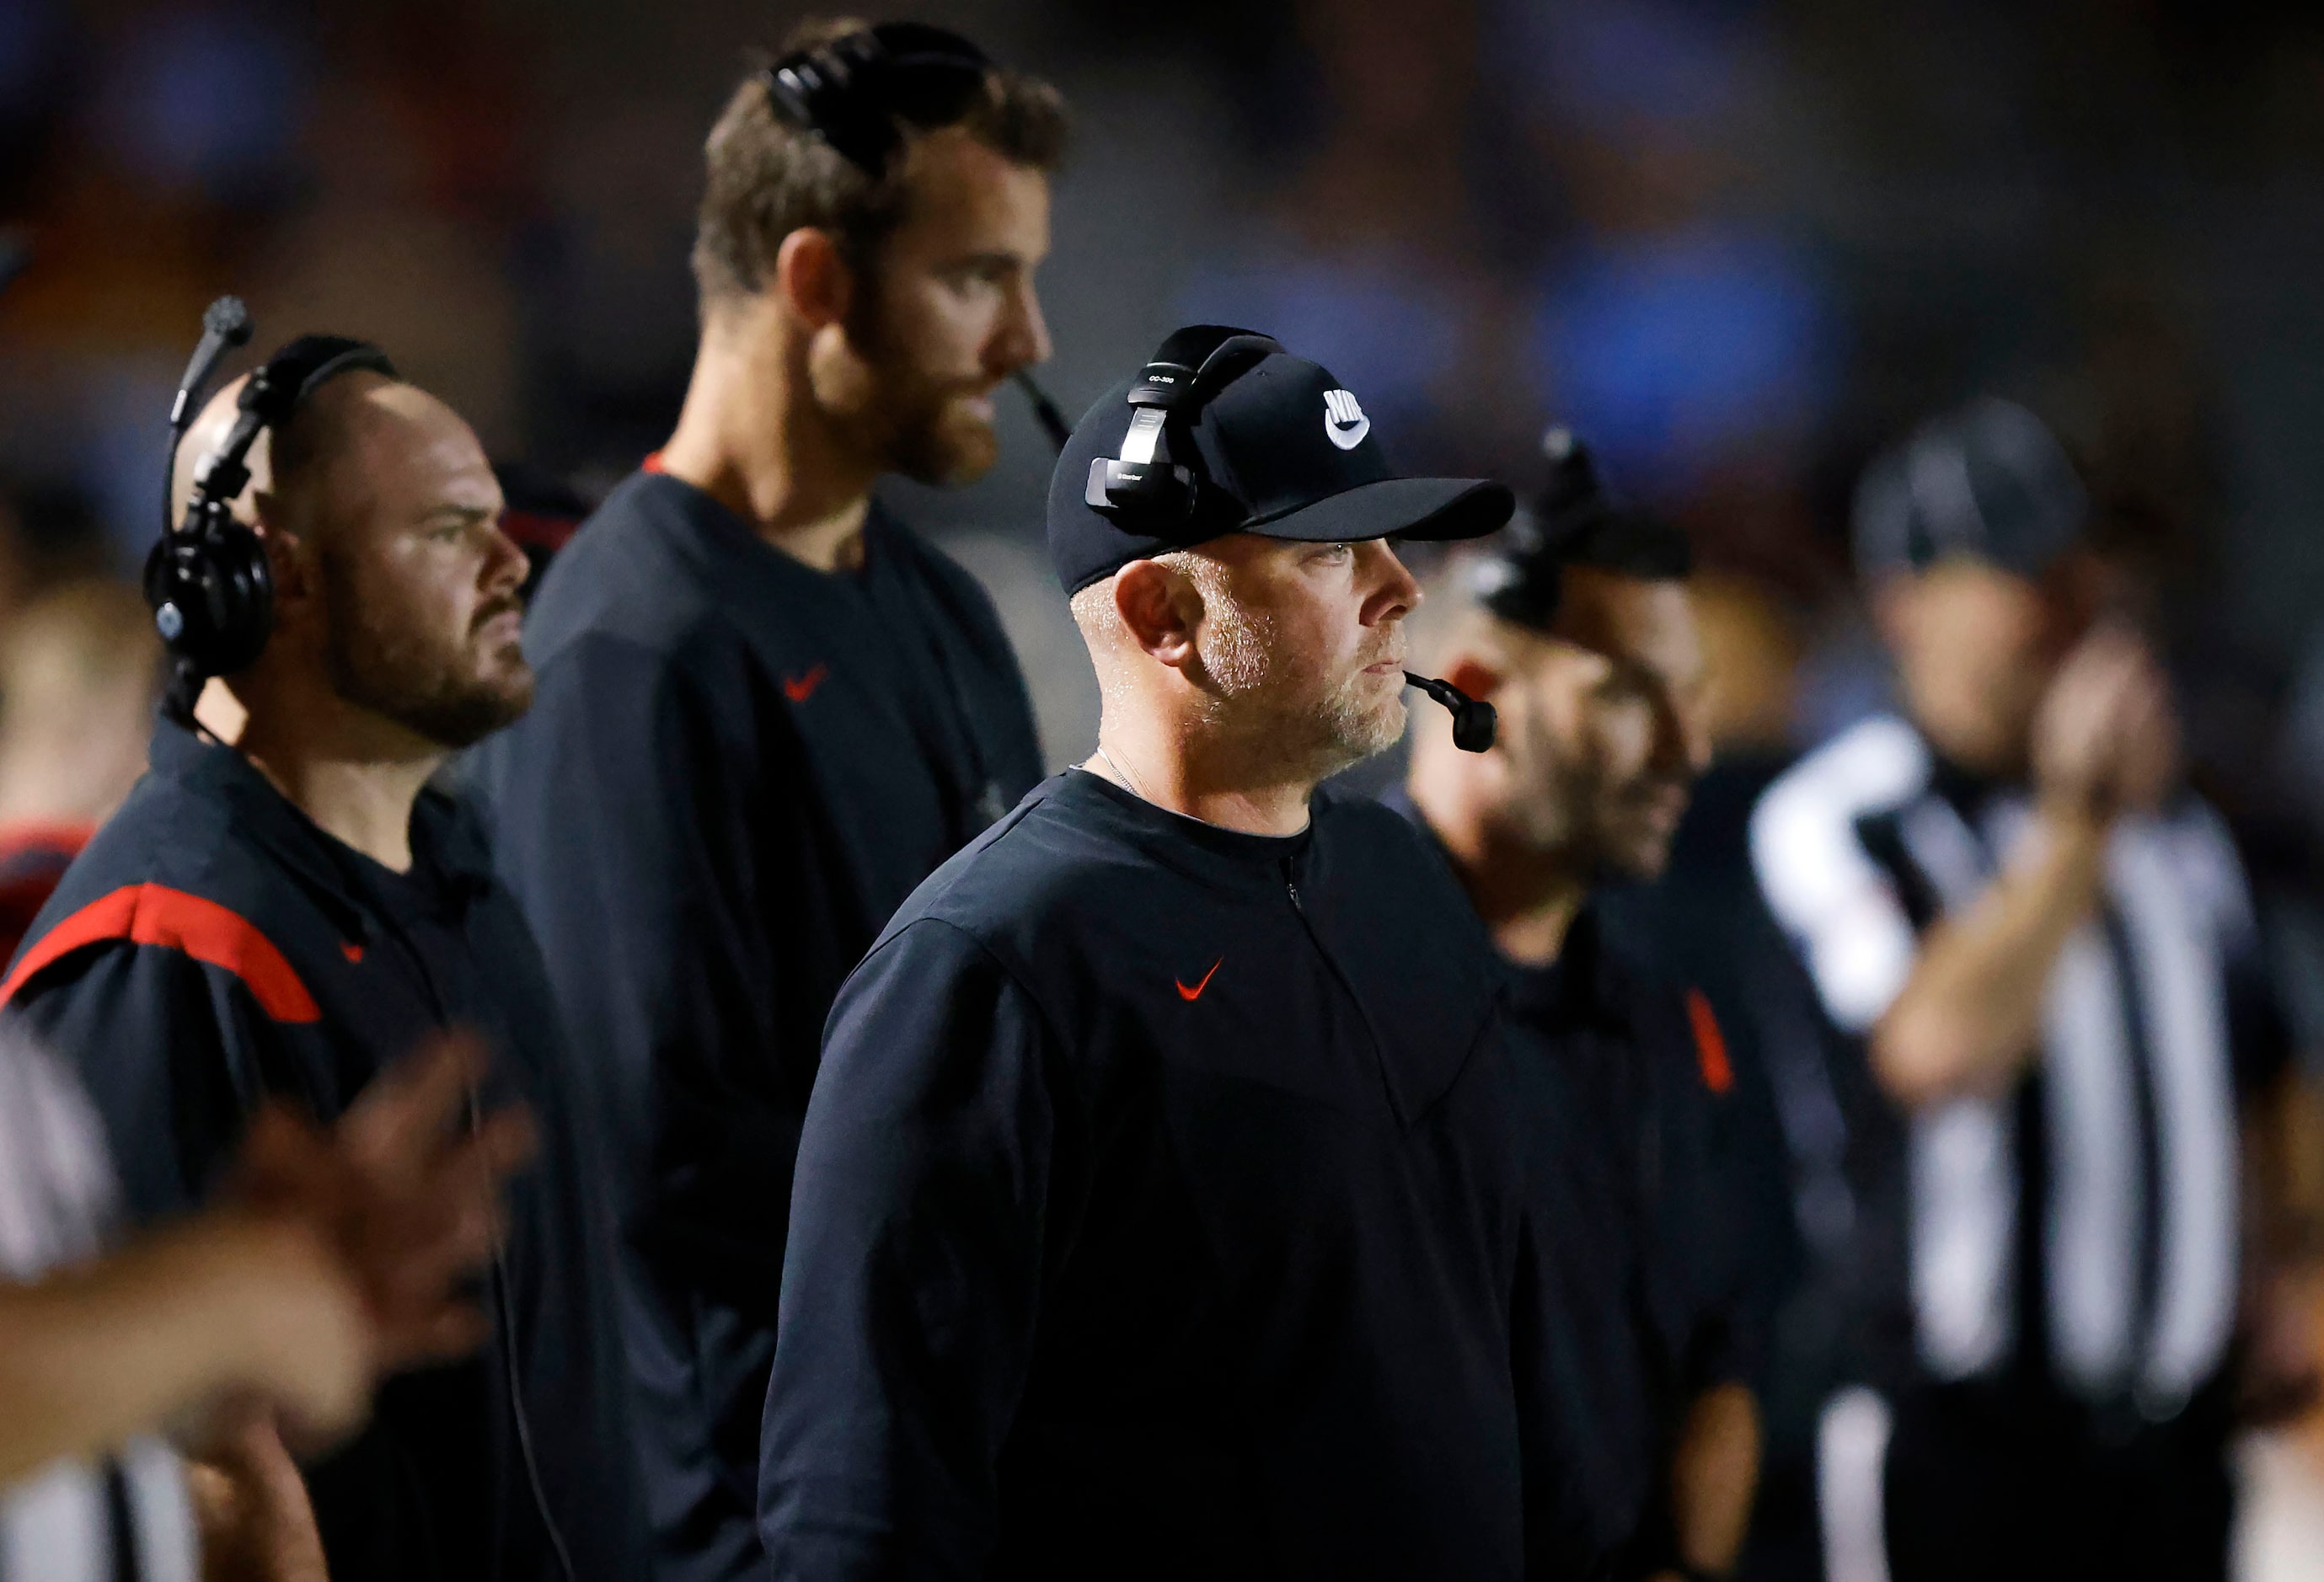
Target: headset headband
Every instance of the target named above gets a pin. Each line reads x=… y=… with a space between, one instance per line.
x=852 y=91
x=207 y=580
x=1187 y=369
x=285 y=382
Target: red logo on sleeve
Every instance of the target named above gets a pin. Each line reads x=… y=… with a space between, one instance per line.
x=1195 y=993
x=1710 y=1044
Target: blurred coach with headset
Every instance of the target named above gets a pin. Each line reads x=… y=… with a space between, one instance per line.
x=286 y=915
x=768 y=710
x=1581 y=632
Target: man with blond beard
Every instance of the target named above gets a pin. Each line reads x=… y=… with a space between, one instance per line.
x=1157 y=1214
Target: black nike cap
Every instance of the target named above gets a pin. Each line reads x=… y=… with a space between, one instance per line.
x=1279 y=447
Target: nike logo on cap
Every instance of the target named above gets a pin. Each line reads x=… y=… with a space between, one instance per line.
x=1197 y=992
x=1344 y=423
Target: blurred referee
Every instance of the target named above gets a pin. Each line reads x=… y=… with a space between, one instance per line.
x=2049 y=954
x=767 y=710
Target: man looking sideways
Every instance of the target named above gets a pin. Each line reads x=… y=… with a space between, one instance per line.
x=768 y=710
x=1583 y=638
x=286 y=915
x=1157 y=1212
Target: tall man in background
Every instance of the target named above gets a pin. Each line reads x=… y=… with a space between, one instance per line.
x=2047 y=953
x=767 y=710
x=1580 y=634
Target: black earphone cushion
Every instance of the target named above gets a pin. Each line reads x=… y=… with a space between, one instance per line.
x=213 y=595
x=1196 y=360
x=207 y=582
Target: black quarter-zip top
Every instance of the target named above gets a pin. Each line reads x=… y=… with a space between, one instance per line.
x=1158 y=1215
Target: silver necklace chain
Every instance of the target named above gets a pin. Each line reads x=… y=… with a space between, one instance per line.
x=1128 y=778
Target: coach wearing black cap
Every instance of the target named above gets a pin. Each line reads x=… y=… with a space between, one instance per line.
x=2046 y=951
x=1155 y=1214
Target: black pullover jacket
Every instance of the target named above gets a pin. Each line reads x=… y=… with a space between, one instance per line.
x=211 y=947
x=735 y=767
x=1651 y=1293
x=1159 y=1215
x=1630 y=1111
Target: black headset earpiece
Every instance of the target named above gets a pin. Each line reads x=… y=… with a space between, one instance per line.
x=207 y=581
x=1473 y=719
x=1146 y=484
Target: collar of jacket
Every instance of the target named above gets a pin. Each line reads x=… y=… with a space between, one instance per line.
x=1207 y=853
x=1584 y=987
x=322 y=865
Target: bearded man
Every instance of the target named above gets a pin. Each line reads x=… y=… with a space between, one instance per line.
x=284 y=916
x=767 y=709
x=1157 y=1213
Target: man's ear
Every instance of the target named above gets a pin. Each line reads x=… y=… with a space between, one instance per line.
x=286 y=560
x=813 y=280
x=1159 y=609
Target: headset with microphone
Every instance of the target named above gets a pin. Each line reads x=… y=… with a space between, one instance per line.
x=213 y=602
x=207 y=580
x=1150 y=482
x=851 y=92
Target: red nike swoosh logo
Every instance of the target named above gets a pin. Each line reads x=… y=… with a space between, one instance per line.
x=800 y=688
x=1197 y=992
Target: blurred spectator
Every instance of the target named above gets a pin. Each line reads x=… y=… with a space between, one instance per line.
x=79 y=674
x=1581 y=635
x=1687 y=336
x=1368 y=253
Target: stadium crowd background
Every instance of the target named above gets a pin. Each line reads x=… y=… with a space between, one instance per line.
x=1739 y=246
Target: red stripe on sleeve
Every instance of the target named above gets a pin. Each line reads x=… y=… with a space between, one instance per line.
x=1710 y=1044
x=152 y=915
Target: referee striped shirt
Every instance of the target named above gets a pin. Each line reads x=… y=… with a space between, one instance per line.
x=2085 y=1224
x=124 y=1519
